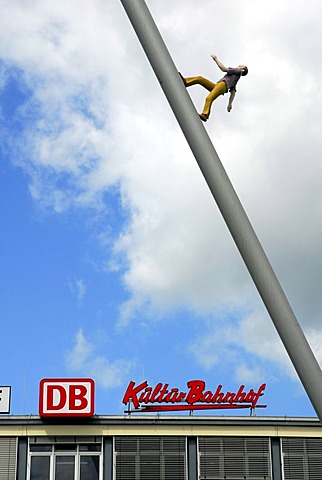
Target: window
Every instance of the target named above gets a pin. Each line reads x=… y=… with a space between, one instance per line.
x=8 y=453
x=234 y=458
x=150 y=458
x=65 y=461
x=89 y=467
x=302 y=458
x=40 y=467
x=64 y=467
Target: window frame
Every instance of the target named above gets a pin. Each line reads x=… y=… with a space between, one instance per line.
x=140 y=454
x=55 y=452
x=246 y=456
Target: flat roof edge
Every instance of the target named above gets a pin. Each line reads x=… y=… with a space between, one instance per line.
x=11 y=420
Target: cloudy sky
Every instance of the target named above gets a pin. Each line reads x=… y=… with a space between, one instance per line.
x=115 y=260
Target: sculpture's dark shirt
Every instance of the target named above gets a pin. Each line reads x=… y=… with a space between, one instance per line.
x=231 y=78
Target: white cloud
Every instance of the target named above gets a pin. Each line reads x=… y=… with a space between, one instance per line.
x=248 y=375
x=78 y=287
x=100 y=120
x=83 y=359
x=80 y=354
x=250 y=346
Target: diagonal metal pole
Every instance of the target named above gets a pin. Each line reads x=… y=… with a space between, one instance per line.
x=228 y=202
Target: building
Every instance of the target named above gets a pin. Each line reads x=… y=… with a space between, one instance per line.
x=160 y=447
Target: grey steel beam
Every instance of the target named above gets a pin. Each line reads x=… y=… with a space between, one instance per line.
x=192 y=462
x=228 y=202
x=108 y=458
x=22 y=457
x=276 y=459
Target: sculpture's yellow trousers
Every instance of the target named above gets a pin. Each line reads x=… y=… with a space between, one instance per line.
x=215 y=89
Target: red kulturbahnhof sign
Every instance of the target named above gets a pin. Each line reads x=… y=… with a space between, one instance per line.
x=144 y=398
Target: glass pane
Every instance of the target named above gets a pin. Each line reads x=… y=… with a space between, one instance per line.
x=39 y=468
x=65 y=467
x=40 y=448
x=90 y=448
x=89 y=467
x=65 y=447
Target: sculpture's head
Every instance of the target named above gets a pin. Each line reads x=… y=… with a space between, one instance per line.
x=244 y=70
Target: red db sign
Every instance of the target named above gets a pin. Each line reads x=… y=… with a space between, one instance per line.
x=66 y=397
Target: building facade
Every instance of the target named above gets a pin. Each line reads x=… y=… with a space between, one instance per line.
x=160 y=447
